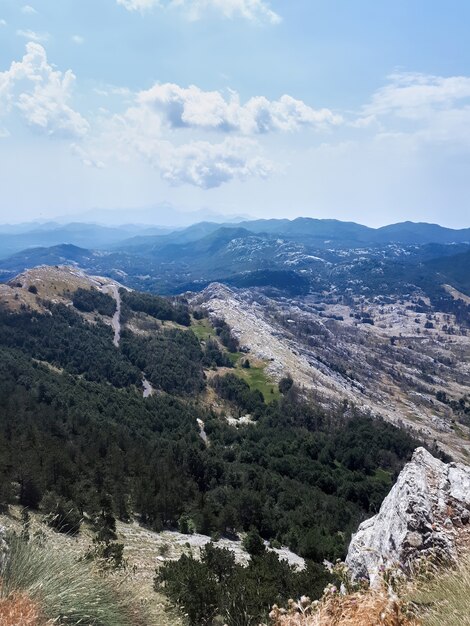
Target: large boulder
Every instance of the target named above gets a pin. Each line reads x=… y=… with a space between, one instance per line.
x=425 y=513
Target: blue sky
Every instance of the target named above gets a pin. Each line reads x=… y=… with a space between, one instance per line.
x=352 y=110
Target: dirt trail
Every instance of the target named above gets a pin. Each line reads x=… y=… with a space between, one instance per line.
x=116 y=320
x=202 y=432
x=148 y=389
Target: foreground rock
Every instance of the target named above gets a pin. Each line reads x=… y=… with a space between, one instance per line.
x=426 y=513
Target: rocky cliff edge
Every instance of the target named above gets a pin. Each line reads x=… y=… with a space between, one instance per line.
x=427 y=512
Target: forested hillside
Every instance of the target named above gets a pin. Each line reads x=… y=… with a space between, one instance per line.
x=298 y=475
x=75 y=429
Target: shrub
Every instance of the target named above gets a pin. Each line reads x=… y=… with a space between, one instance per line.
x=253 y=543
x=285 y=384
x=191 y=585
x=61 y=514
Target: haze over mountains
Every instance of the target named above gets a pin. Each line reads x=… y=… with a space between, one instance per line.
x=314 y=253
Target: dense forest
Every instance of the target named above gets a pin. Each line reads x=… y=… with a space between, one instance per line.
x=89 y=300
x=75 y=428
x=299 y=475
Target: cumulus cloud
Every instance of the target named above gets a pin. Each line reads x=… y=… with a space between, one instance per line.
x=138 y=132
x=253 y=10
x=78 y=40
x=33 y=36
x=147 y=128
x=210 y=110
x=208 y=165
x=3 y=22
x=41 y=95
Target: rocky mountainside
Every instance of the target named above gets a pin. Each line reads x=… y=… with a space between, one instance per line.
x=387 y=357
x=427 y=513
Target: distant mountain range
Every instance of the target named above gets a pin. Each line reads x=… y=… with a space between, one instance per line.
x=319 y=253
x=16 y=238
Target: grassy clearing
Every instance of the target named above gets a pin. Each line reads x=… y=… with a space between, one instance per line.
x=202 y=329
x=235 y=357
x=257 y=378
x=255 y=375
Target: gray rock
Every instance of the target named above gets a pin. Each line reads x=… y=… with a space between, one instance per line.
x=3 y=548
x=416 y=518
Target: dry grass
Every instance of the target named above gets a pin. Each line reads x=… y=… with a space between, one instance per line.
x=444 y=600
x=19 y=610
x=64 y=589
x=136 y=582
x=359 y=609
x=436 y=596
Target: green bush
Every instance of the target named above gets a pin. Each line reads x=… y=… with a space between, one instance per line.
x=218 y=587
x=285 y=384
x=253 y=543
x=61 y=514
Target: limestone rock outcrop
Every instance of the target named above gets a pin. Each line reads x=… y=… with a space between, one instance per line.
x=426 y=513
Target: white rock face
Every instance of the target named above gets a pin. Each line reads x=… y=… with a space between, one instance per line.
x=422 y=514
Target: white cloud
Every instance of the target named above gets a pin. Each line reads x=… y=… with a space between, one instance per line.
x=253 y=10
x=209 y=110
x=3 y=23
x=138 y=133
x=426 y=107
x=147 y=129
x=410 y=95
x=208 y=165
x=41 y=94
x=28 y=10
x=33 y=36
x=78 y=40
x=139 y=5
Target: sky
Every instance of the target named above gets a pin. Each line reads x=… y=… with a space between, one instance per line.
x=357 y=110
